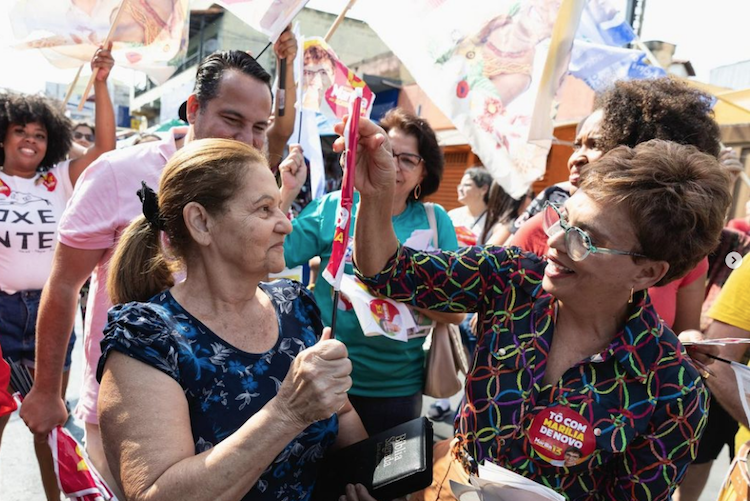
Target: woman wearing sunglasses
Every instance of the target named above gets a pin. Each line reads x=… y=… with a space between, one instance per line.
x=571 y=356
x=387 y=375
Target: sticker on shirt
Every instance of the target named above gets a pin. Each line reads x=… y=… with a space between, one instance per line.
x=4 y=188
x=562 y=437
x=49 y=181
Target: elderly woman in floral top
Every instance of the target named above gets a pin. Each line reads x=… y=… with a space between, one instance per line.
x=576 y=382
x=217 y=388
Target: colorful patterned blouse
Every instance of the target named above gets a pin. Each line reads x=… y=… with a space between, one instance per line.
x=623 y=424
x=225 y=386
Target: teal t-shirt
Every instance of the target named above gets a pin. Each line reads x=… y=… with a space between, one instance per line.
x=381 y=367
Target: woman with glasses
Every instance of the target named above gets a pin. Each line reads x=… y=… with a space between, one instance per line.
x=84 y=134
x=630 y=113
x=387 y=375
x=36 y=182
x=570 y=351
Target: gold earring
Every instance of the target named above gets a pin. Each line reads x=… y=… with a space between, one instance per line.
x=632 y=291
x=417 y=191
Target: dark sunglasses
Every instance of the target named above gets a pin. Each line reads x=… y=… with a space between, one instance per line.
x=81 y=135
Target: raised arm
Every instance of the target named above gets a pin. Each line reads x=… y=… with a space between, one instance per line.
x=281 y=129
x=43 y=408
x=105 y=139
x=374 y=238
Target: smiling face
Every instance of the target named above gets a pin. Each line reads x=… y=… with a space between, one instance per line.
x=240 y=111
x=25 y=147
x=586 y=149
x=249 y=234
x=406 y=178
x=469 y=193
x=599 y=277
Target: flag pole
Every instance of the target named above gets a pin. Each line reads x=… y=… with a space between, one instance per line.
x=115 y=22
x=336 y=293
x=72 y=86
x=338 y=20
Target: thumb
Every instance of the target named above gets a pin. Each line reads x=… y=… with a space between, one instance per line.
x=327 y=334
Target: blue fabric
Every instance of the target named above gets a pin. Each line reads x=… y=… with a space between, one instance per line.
x=18 y=314
x=225 y=386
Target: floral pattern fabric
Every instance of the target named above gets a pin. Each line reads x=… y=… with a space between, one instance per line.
x=639 y=405
x=225 y=386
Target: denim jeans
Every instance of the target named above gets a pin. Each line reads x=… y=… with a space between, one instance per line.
x=18 y=314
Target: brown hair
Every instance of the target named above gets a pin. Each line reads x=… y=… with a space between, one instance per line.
x=427 y=145
x=676 y=196
x=206 y=171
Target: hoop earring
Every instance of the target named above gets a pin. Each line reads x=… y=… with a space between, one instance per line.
x=632 y=291
x=417 y=191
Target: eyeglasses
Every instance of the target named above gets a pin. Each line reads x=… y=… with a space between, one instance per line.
x=577 y=242
x=81 y=135
x=408 y=161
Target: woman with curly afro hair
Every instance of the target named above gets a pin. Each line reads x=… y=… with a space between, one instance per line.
x=36 y=182
x=630 y=113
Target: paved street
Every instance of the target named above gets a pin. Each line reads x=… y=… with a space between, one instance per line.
x=19 y=475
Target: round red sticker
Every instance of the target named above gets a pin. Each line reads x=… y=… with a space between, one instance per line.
x=561 y=436
x=385 y=314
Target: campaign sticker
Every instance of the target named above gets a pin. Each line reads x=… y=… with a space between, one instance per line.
x=385 y=315
x=49 y=181
x=562 y=437
x=4 y=189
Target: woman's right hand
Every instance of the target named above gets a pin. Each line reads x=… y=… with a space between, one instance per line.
x=317 y=383
x=376 y=169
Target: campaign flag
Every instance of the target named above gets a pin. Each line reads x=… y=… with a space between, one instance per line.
x=150 y=36
x=76 y=476
x=328 y=85
x=492 y=68
x=600 y=66
x=599 y=58
x=306 y=131
x=335 y=269
x=603 y=23
x=269 y=17
x=7 y=404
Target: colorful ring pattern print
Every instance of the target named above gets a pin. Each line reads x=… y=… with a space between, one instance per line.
x=639 y=406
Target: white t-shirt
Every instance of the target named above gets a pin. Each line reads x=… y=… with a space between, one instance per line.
x=30 y=210
x=462 y=219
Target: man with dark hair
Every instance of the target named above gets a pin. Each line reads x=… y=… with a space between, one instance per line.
x=232 y=100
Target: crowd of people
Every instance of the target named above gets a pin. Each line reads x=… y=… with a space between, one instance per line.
x=206 y=379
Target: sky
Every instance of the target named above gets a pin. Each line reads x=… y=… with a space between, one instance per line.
x=709 y=34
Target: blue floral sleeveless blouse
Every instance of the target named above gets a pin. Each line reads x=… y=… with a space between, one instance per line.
x=225 y=386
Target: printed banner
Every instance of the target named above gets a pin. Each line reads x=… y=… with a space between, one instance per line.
x=377 y=316
x=306 y=131
x=492 y=67
x=600 y=66
x=328 y=85
x=335 y=269
x=599 y=58
x=269 y=17
x=151 y=35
